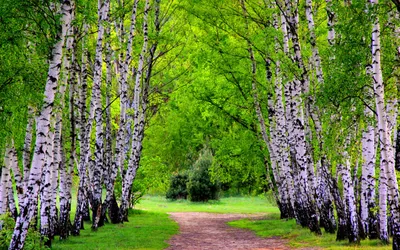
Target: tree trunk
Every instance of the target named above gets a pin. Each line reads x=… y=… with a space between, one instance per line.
x=349 y=197
x=388 y=175
x=367 y=201
x=82 y=194
x=7 y=203
x=65 y=173
x=13 y=161
x=134 y=160
x=26 y=156
x=103 y=9
x=43 y=126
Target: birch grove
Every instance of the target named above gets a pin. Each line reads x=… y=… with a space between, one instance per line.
x=304 y=92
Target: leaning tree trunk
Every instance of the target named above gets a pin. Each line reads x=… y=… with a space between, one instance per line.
x=349 y=197
x=42 y=129
x=26 y=155
x=281 y=133
x=45 y=188
x=367 y=199
x=324 y=203
x=70 y=69
x=7 y=203
x=270 y=141
x=120 y=155
x=103 y=9
x=109 y=167
x=13 y=161
x=388 y=175
x=134 y=160
x=81 y=206
x=305 y=200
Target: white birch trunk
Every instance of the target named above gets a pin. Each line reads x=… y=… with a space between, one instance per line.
x=281 y=127
x=304 y=162
x=349 y=197
x=134 y=160
x=120 y=153
x=45 y=188
x=103 y=9
x=110 y=168
x=367 y=199
x=282 y=144
x=13 y=161
x=84 y=137
x=42 y=129
x=6 y=192
x=26 y=156
x=388 y=175
x=65 y=173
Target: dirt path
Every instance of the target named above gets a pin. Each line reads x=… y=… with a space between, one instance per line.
x=206 y=231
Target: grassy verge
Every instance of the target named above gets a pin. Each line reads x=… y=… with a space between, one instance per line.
x=145 y=230
x=149 y=226
x=301 y=237
x=224 y=205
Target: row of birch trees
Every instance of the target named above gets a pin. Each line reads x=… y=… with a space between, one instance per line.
x=94 y=66
x=315 y=81
x=323 y=78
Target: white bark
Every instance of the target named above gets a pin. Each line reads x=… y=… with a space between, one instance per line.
x=46 y=188
x=388 y=175
x=368 y=174
x=13 y=161
x=349 y=197
x=26 y=156
x=134 y=160
x=331 y=22
x=84 y=137
x=103 y=9
x=42 y=130
x=303 y=159
x=6 y=192
x=120 y=153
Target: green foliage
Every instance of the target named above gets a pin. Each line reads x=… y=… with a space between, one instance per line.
x=200 y=187
x=34 y=241
x=177 y=189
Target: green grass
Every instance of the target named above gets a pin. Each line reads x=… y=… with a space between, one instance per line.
x=301 y=237
x=224 y=205
x=150 y=227
x=145 y=230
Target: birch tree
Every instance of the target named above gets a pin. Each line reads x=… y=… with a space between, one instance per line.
x=96 y=108
x=138 y=125
x=42 y=129
x=387 y=175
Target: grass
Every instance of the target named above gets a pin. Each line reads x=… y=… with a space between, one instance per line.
x=301 y=237
x=145 y=230
x=150 y=227
x=224 y=205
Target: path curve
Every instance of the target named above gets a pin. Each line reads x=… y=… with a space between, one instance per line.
x=206 y=231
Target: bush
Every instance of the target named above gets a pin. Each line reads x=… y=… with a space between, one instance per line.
x=200 y=187
x=34 y=240
x=177 y=189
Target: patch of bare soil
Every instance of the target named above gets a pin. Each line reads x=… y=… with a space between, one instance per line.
x=204 y=231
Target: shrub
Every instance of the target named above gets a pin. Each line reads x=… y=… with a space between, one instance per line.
x=177 y=189
x=34 y=240
x=200 y=187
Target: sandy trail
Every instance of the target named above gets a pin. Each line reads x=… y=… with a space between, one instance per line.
x=210 y=231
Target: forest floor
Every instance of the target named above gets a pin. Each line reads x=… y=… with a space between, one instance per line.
x=201 y=231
